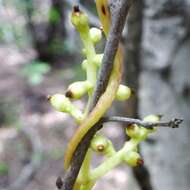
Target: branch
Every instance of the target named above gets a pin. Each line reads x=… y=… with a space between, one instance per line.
x=119 y=9
x=174 y=123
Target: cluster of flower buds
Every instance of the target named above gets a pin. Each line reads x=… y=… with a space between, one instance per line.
x=63 y=104
x=100 y=144
x=129 y=152
x=90 y=37
x=137 y=134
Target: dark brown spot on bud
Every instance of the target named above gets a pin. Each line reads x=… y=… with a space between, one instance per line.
x=48 y=97
x=59 y=183
x=131 y=126
x=76 y=9
x=140 y=162
x=133 y=92
x=69 y=94
x=103 y=10
x=101 y=28
x=100 y=148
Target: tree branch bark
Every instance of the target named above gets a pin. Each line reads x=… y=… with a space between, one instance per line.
x=174 y=123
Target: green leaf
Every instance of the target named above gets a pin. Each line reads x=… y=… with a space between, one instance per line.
x=54 y=15
x=35 y=72
x=4 y=168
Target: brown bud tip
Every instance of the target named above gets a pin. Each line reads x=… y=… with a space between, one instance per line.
x=133 y=91
x=76 y=9
x=48 y=97
x=69 y=94
x=131 y=126
x=100 y=148
x=59 y=183
x=140 y=162
x=101 y=28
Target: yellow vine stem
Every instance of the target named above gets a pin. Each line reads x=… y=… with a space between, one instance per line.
x=106 y=99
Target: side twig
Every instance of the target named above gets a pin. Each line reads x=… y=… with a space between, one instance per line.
x=174 y=123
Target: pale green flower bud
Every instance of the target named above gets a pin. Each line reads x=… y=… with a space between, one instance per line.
x=77 y=89
x=102 y=145
x=95 y=35
x=98 y=59
x=84 y=64
x=133 y=131
x=80 y=20
x=152 y=118
x=133 y=158
x=99 y=143
x=63 y=104
x=143 y=131
x=84 y=51
x=123 y=92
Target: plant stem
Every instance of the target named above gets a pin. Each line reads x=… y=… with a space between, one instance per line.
x=90 y=54
x=113 y=161
x=85 y=169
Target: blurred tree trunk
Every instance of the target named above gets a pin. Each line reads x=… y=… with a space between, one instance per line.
x=164 y=87
x=48 y=38
x=133 y=69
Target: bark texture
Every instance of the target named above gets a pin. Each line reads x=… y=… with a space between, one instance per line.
x=165 y=89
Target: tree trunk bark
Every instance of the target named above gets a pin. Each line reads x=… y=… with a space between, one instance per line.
x=48 y=38
x=133 y=69
x=165 y=89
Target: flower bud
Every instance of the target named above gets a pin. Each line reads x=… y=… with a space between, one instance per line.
x=95 y=35
x=84 y=64
x=79 y=19
x=99 y=144
x=133 y=158
x=98 y=59
x=77 y=89
x=63 y=104
x=60 y=103
x=152 y=118
x=123 y=92
x=84 y=51
x=133 y=131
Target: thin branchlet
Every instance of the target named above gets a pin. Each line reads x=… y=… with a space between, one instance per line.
x=174 y=123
